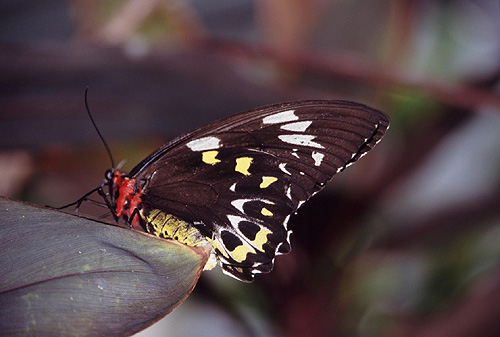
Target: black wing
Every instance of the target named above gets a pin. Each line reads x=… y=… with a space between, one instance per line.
x=239 y=179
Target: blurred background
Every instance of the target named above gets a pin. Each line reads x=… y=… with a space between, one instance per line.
x=404 y=243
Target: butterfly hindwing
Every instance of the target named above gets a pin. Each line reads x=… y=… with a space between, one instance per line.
x=239 y=179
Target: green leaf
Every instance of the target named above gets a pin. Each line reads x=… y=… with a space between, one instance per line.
x=66 y=275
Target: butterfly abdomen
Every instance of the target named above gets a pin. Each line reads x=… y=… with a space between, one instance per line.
x=168 y=226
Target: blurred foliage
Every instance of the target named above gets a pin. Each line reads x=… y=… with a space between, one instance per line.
x=75 y=277
x=404 y=243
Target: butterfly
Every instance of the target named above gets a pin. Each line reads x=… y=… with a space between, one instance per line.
x=234 y=183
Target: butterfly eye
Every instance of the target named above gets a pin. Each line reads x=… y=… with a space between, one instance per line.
x=108 y=175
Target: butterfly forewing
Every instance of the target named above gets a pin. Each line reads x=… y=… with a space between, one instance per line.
x=239 y=179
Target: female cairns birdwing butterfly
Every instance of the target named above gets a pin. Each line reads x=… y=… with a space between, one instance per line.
x=234 y=183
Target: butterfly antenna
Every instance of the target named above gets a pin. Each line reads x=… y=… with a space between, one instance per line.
x=97 y=129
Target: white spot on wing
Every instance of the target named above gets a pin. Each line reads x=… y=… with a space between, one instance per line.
x=203 y=144
x=289 y=192
x=283 y=168
x=235 y=220
x=297 y=126
x=288 y=233
x=238 y=203
x=304 y=140
x=232 y=188
x=281 y=117
x=228 y=273
x=318 y=158
x=278 y=248
x=285 y=222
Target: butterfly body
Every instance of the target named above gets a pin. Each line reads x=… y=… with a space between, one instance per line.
x=234 y=183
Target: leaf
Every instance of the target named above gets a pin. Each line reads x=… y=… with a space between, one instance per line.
x=66 y=275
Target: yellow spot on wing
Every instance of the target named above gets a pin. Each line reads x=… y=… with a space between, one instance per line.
x=266 y=212
x=243 y=164
x=218 y=246
x=261 y=238
x=266 y=181
x=240 y=253
x=209 y=157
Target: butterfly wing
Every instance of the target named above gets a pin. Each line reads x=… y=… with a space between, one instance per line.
x=239 y=179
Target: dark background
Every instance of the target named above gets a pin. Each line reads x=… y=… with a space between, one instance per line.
x=404 y=243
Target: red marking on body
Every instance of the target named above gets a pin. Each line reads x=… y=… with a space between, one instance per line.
x=129 y=198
